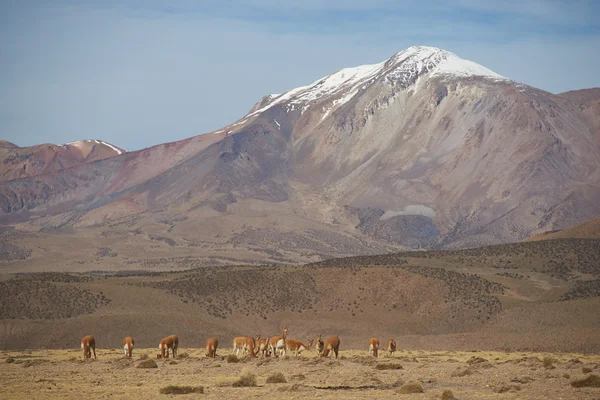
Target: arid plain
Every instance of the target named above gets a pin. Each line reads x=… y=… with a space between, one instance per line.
x=62 y=374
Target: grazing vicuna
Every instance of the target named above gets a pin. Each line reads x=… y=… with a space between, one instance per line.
x=373 y=347
x=170 y=342
x=391 y=347
x=331 y=344
x=263 y=346
x=88 y=344
x=297 y=346
x=277 y=343
x=128 y=346
x=211 y=347
x=246 y=344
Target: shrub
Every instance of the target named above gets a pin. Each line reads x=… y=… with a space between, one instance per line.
x=388 y=366
x=590 y=381
x=147 y=364
x=548 y=362
x=232 y=358
x=183 y=355
x=411 y=387
x=277 y=377
x=9 y=360
x=144 y=356
x=173 y=389
x=448 y=395
x=247 y=379
x=460 y=373
x=586 y=370
x=565 y=375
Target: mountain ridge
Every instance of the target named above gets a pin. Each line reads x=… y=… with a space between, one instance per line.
x=415 y=158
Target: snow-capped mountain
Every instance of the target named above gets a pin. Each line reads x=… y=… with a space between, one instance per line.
x=403 y=69
x=424 y=149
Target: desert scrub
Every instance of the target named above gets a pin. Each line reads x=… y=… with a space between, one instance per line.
x=548 y=362
x=590 y=381
x=232 y=358
x=277 y=377
x=147 y=364
x=247 y=379
x=411 y=387
x=173 y=389
x=9 y=360
x=388 y=366
x=448 y=395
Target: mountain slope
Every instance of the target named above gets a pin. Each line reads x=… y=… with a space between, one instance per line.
x=587 y=230
x=540 y=296
x=422 y=150
x=22 y=162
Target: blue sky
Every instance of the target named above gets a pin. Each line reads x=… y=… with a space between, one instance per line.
x=138 y=73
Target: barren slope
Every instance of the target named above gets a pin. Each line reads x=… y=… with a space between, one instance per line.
x=423 y=150
x=536 y=296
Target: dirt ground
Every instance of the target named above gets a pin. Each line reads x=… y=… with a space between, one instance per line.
x=62 y=374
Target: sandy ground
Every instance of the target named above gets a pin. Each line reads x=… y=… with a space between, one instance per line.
x=62 y=374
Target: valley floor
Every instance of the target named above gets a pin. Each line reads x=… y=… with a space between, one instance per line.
x=62 y=374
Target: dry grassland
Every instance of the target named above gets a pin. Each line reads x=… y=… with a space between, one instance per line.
x=62 y=374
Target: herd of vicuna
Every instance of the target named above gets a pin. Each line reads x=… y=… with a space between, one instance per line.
x=276 y=346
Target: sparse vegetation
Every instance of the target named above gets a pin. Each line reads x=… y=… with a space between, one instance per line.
x=549 y=362
x=232 y=358
x=590 y=381
x=448 y=395
x=388 y=366
x=277 y=377
x=147 y=364
x=144 y=356
x=173 y=389
x=9 y=360
x=586 y=370
x=411 y=387
x=247 y=379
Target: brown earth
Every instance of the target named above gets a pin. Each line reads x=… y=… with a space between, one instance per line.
x=541 y=296
x=590 y=230
x=61 y=374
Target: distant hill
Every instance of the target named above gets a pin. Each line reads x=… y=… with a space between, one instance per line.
x=587 y=230
x=541 y=296
x=25 y=162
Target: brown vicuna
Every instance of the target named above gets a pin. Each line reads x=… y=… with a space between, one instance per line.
x=391 y=347
x=211 y=347
x=319 y=345
x=128 y=346
x=170 y=342
x=263 y=346
x=88 y=344
x=246 y=344
x=331 y=344
x=373 y=347
x=277 y=343
x=297 y=346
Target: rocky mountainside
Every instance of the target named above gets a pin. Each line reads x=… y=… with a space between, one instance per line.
x=422 y=150
x=23 y=162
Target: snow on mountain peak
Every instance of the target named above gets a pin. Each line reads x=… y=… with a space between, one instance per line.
x=89 y=143
x=417 y=60
x=405 y=67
